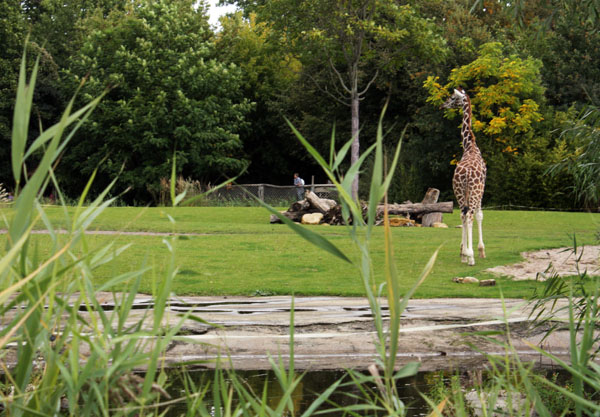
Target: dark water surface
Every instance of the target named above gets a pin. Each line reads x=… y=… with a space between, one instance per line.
x=312 y=384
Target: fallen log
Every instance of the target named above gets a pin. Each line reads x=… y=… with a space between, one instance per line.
x=295 y=216
x=311 y=204
x=417 y=208
x=321 y=204
x=301 y=205
x=332 y=212
x=334 y=216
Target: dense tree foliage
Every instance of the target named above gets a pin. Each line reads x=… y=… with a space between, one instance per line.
x=351 y=43
x=506 y=93
x=268 y=74
x=218 y=98
x=167 y=94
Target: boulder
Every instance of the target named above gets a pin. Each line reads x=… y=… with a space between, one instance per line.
x=498 y=404
x=312 y=218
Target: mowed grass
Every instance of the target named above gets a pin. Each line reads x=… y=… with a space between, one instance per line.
x=235 y=251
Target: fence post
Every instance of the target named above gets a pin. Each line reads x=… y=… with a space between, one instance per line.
x=261 y=192
x=312 y=184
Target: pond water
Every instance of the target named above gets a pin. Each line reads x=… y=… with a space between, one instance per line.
x=314 y=383
x=410 y=389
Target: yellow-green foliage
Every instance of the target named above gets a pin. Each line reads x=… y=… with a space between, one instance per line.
x=504 y=90
x=515 y=130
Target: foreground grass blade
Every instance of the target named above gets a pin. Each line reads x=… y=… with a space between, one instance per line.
x=319 y=159
x=312 y=237
x=5 y=294
x=437 y=411
x=80 y=116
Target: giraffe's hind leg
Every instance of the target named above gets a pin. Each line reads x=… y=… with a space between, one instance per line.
x=480 y=246
x=463 y=242
x=466 y=245
x=469 y=250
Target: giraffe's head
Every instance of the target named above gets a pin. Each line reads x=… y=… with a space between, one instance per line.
x=456 y=100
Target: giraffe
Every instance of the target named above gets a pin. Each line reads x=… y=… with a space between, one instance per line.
x=469 y=179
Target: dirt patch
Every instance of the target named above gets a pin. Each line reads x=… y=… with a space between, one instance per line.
x=562 y=261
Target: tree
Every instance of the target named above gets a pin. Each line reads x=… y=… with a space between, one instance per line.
x=357 y=41
x=546 y=11
x=52 y=28
x=267 y=74
x=583 y=164
x=569 y=50
x=56 y=24
x=430 y=140
x=167 y=94
x=505 y=93
x=508 y=119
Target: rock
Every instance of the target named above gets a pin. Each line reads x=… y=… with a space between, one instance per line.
x=440 y=225
x=312 y=218
x=466 y=280
x=487 y=283
x=502 y=404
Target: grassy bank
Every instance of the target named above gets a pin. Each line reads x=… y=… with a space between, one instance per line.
x=238 y=252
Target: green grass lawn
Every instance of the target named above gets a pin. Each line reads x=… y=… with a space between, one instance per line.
x=238 y=252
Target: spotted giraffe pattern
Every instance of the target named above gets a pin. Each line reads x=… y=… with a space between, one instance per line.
x=469 y=178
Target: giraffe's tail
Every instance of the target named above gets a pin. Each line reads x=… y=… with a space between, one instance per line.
x=465 y=210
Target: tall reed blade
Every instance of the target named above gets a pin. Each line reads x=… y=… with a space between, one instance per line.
x=21 y=116
x=59 y=317
x=360 y=232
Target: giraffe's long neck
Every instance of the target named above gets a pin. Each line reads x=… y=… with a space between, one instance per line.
x=468 y=137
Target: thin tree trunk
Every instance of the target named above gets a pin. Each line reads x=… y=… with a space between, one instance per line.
x=355 y=149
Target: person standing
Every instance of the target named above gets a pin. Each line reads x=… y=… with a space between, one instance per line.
x=299 y=183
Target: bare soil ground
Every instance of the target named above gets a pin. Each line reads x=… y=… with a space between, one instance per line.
x=545 y=262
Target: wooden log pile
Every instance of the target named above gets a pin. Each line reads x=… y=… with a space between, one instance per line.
x=325 y=211
x=330 y=210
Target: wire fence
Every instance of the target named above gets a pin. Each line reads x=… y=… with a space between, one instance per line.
x=513 y=207
x=275 y=195
x=284 y=195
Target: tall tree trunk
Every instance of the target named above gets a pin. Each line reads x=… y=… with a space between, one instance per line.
x=355 y=149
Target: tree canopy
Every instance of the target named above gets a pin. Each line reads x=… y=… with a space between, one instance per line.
x=505 y=92
x=352 y=43
x=167 y=95
x=217 y=98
